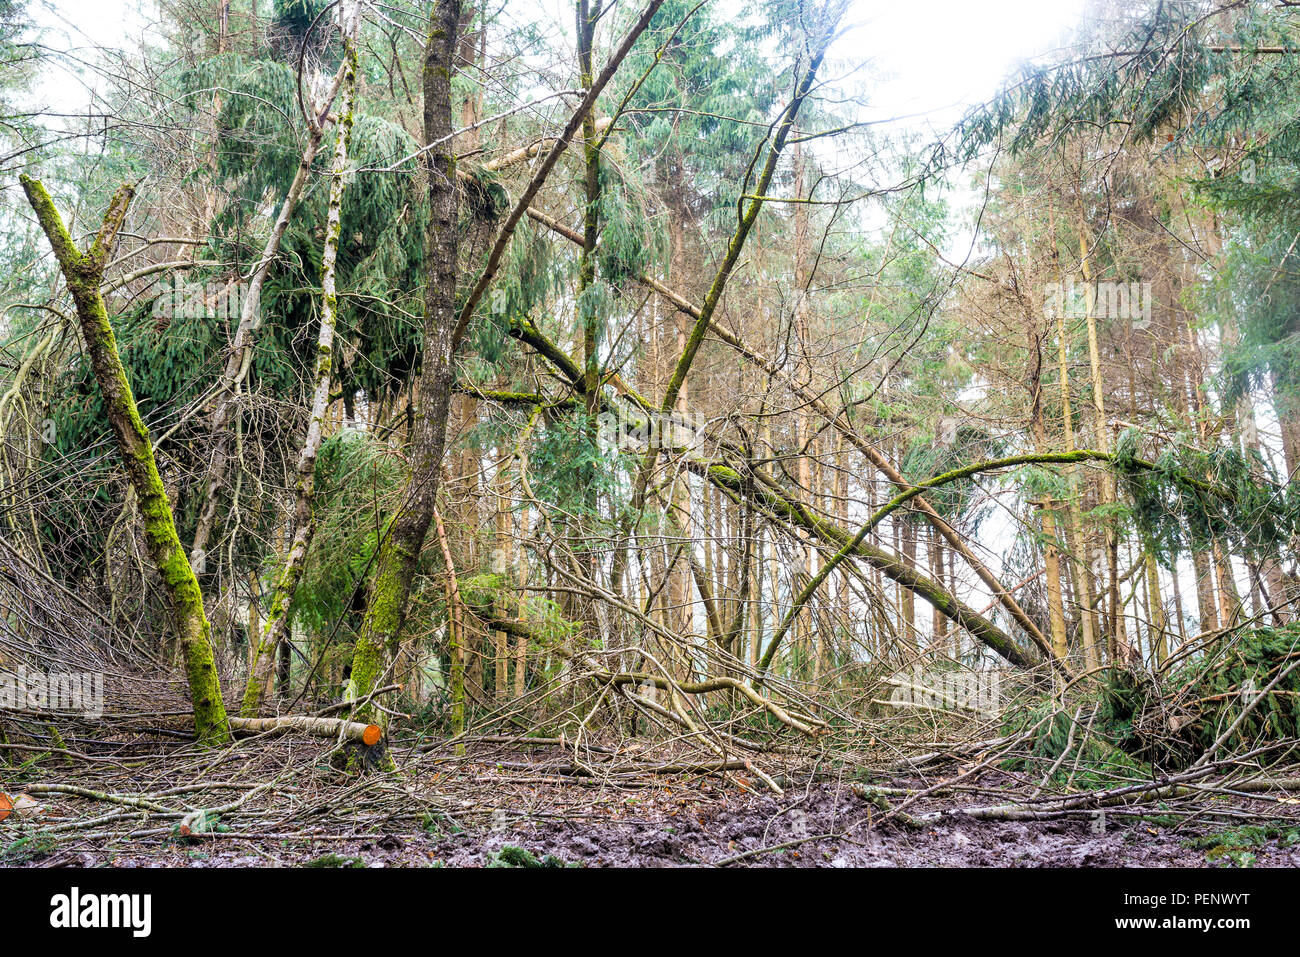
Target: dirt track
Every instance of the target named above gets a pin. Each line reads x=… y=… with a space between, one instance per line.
x=822 y=825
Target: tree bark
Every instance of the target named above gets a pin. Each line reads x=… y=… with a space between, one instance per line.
x=378 y=642
x=83 y=273
x=276 y=629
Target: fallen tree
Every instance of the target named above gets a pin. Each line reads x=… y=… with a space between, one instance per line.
x=336 y=728
x=786 y=510
x=840 y=422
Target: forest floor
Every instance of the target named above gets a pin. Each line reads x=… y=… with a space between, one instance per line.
x=494 y=814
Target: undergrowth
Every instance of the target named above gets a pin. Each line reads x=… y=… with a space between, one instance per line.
x=1134 y=723
x=512 y=856
x=1238 y=846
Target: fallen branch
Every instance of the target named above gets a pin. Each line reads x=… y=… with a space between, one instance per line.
x=368 y=734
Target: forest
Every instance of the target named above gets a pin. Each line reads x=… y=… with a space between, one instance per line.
x=612 y=433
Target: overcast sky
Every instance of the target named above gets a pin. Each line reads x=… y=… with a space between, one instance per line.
x=930 y=58
x=936 y=57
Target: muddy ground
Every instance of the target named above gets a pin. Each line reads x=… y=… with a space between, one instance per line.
x=710 y=823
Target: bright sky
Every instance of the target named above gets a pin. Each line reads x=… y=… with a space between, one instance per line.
x=104 y=22
x=75 y=27
x=928 y=57
x=937 y=57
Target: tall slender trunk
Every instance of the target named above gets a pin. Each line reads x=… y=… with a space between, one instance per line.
x=1046 y=510
x=1229 y=600
x=803 y=432
x=1206 y=592
x=1158 y=624
x=521 y=641
x=250 y=319
x=1206 y=602
x=937 y=570
x=502 y=566
x=276 y=629
x=1115 y=637
x=1286 y=402
x=455 y=630
x=1273 y=581
x=757 y=566
x=682 y=598
x=1178 y=606
x=586 y=558
x=379 y=639
x=906 y=599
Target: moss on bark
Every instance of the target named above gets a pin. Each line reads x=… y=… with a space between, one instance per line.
x=83 y=273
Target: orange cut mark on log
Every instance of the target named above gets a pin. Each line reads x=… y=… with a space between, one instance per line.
x=6 y=806
x=370 y=737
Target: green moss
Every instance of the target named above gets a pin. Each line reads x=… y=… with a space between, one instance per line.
x=335 y=860
x=83 y=273
x=31 y=847
x=511 y=856
x=1237 y=847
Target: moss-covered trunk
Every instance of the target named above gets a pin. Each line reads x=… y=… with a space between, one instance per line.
x=395 y=570
x=83 y=273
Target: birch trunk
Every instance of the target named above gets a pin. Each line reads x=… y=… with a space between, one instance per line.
x=276 y=629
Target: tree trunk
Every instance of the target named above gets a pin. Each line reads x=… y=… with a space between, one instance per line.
x=1101 y=427
x=378 y=642
x=83 y=273
x=250 y=318
x=276 y=629
x=1046 y=511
